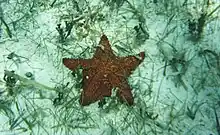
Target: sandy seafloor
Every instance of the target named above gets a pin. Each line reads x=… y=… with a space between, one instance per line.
x=176 y=89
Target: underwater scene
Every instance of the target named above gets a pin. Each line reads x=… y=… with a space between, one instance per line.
x=110 y=67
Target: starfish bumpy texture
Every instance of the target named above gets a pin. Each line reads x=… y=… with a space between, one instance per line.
x=105 y=71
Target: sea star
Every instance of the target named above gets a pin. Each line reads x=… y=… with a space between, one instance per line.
x=105 y=71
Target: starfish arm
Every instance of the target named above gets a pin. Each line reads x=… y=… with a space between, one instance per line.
x=94 y=88
x=130 y=63
x=124 y=90
x=72 y=64
x=124 y=94
x=104 y=49
x=105 y=45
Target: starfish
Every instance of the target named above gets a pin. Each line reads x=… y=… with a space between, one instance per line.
x=105 y=71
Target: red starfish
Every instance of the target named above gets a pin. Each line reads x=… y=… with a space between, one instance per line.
x=103 y=72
